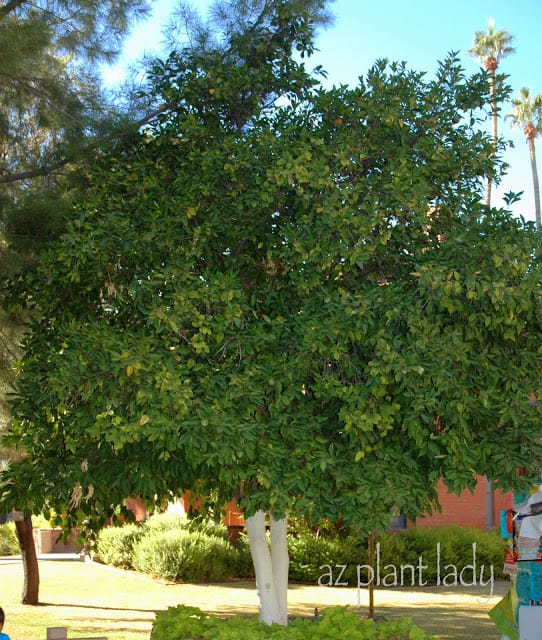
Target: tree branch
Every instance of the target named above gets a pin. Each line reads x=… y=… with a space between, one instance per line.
x=10 y=178
x=10 y=6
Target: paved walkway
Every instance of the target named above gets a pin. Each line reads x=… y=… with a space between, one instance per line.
x=45 y=556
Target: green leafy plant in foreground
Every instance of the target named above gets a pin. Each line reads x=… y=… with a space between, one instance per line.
x=185 y=623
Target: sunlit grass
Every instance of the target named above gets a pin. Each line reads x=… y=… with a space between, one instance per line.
x=93 y=600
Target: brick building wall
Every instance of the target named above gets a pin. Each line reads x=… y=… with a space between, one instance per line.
x=465 y=510
x=468 y=509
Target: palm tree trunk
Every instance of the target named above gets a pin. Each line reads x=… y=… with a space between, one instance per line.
x=536 y=186
x=494 y=131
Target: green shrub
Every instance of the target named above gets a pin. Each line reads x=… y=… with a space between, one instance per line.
x=185 y=623
x=9 y=546
x=446 y=545
x=160 y=554
x=173 y=521
x=310 y=555
x=178 y=555
x=115 y=545
x=173 y=547
x=314 y=557
x=41 y=522
x=161 y=522
x=200 y=524
x=243 y=560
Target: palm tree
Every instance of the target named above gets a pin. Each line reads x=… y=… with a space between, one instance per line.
x=527 y=113
x=490 y=48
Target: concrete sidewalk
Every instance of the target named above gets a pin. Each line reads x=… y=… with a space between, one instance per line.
x=45 y=556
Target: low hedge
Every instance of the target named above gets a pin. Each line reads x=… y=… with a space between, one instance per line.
x=310 y=556
x=443 y=551
x=178 y=549
x=172 y=547
x=181 y=556
x=115 y=545
x=186 y=623
x=413 y=557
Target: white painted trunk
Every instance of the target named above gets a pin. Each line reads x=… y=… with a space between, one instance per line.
x=270 y=566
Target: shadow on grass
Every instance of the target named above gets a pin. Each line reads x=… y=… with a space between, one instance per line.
x=93 y=606
x=445 y=623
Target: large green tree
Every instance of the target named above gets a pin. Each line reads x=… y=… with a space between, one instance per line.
x=526 y=113
x=490 y=48
x=287 y=294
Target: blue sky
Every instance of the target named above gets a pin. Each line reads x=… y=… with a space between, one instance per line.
x=419 y=32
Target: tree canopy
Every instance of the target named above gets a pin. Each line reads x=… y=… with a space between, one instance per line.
x=284 y=293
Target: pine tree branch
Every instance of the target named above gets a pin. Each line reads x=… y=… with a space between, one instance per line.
x=10 y=6
x=10 y=178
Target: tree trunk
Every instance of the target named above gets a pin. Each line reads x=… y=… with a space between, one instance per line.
x=270 y=566
x=494 y=130
x=488 y=191
x=280 y=562
x=31 y=588
x=536 y=186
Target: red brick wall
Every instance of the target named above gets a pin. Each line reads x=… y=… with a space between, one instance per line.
x=467 y=509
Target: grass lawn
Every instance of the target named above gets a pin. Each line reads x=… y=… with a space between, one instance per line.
x=93 y=600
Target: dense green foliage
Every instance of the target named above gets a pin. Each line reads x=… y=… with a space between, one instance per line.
x=186 y=557
x=8 y=540
x=297 y=301
x=183 y=623
x=52 y=106
x=115 y=545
